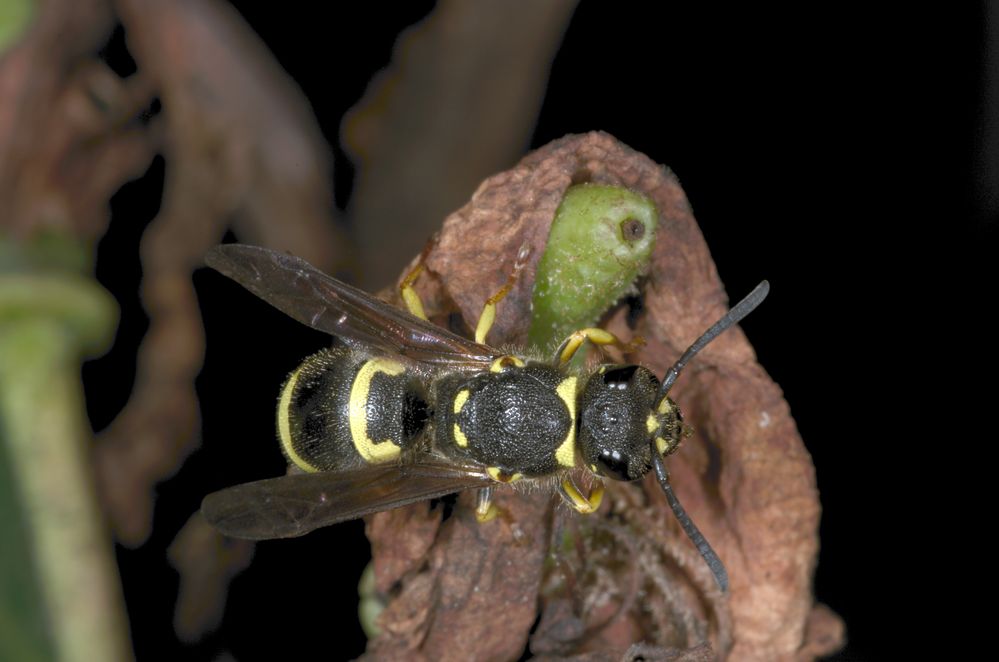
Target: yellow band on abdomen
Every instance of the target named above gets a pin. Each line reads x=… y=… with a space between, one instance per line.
x=370 y=449
x=284 y=422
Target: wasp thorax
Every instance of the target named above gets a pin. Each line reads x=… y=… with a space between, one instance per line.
x=515 y=420
x=616 y=421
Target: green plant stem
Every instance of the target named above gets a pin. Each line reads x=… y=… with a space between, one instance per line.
x=15 y=16
x=47 y=323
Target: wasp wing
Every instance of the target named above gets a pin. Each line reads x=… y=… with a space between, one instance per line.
x=294 y=505
x=306 y=294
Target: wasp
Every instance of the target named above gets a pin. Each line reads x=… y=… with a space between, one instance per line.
x=400 y=410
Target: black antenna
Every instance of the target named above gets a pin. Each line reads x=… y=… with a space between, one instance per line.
x=741 y=309
x=714 y=563
x=730 y=319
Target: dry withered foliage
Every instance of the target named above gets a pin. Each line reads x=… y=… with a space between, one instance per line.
x=241 y=149
x=590 y=588
x=567 y=587
x=457 y=103
x=206 y=562
x=70 y=129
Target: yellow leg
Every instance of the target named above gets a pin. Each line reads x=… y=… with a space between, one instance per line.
x=568 y=348
x=488 y=315
x=575 y=499
x=409 y=295
x=485 y=509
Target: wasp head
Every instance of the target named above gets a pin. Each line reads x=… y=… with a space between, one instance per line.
x=618 y=420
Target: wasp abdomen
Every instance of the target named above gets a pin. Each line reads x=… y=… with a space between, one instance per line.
x=341 y=408
x=517 y=420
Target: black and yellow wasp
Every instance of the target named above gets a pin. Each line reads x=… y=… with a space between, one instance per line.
x=401 y=410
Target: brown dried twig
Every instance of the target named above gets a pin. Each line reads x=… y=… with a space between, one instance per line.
x=232 y=125
x=458 y=103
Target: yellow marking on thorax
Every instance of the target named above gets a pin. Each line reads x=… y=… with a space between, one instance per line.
x=565 y=454
x=371 y=450
x=459 y=401
x=503 y=362
x=284 y=422
x=459 y=437
x=499 y=476
x=651 y=423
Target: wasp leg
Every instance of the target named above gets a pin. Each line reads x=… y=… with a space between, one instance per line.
x=485 y=509
x=568 y=348
x=575 y=499
x=409 y=295
x=488 y=315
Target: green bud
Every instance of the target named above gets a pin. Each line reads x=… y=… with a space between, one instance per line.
x=601 y=240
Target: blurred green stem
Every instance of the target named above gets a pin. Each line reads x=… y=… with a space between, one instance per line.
x=15 y=15
x=47 y=324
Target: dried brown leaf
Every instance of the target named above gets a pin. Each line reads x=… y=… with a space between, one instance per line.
x=745 y=477
x=825 y=633
x=404 y=554
x=476 y=597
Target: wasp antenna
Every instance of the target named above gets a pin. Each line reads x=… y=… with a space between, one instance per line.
x=707 y=553
x=731 y=318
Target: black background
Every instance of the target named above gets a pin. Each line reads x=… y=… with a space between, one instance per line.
x=840 y=153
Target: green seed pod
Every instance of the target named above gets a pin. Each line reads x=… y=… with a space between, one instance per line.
x=600 y=242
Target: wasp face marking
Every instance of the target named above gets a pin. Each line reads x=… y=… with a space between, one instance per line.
x=671 y=429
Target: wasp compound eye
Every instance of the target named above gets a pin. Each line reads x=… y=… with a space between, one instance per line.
x=619 y=378
x=613 y=464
